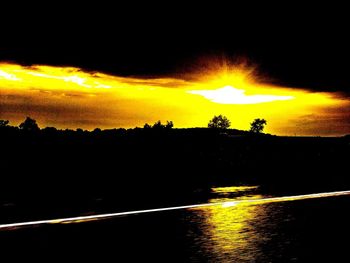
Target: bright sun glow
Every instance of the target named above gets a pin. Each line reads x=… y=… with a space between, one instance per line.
x=231 y=95
x=68 y=97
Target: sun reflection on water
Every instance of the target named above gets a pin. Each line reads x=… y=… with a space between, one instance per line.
x=229 y=232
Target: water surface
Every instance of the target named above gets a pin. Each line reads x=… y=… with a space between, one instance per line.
x=295 y=231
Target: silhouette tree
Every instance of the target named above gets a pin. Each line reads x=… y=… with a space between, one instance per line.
x=97 y=131
x=258 y=125
x=219 y=122
x=29 y=125
x=169 y=124
x=147 y=126
x=158 y=125
x=3 y=123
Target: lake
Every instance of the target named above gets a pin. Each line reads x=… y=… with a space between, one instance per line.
x=307 y=230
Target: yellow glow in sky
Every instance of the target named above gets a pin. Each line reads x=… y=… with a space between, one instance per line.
x=231 y=95
x=68 y=97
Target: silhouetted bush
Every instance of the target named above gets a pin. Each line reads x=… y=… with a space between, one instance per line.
x=4 y=123
x=29 y=125
x=258 y=125
x=219 y=122
x=159 y=126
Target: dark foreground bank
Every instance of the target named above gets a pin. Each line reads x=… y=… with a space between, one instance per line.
x=50 y=173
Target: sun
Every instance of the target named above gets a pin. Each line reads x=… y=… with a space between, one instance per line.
x=237 y=84
x=231 y=95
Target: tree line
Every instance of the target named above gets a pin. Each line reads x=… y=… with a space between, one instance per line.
x=218 y=122
x=222 y=122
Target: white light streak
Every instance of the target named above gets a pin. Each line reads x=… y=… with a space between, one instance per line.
x=80 y=219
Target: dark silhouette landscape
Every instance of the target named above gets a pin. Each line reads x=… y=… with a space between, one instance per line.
x=49 y=172
x=246 y=194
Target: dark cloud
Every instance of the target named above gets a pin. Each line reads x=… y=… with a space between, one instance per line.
x=297 y=47
x=165 y=83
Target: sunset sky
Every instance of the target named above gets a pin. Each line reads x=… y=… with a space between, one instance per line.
x=71 y=97
x=131 y=67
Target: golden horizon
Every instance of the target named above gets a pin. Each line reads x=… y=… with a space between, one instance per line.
x=69 y=97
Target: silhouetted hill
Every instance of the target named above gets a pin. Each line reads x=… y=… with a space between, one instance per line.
x=53 y=171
